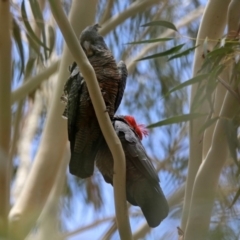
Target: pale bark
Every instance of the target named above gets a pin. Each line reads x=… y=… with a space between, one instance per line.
x=119 y=178
x=207 y=179
x=31 y=83
x=87 y=227
x=49 y=220
x=25 y=145
x=212 y=26
x=134 y=8
x=48 y=158
x=5 y=112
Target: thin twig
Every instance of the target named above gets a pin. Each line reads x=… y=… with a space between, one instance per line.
x=112 y=139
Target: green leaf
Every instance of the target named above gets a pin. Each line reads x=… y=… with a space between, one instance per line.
x=37 y=13
x=162 y=54
x=161 y=23
x=51 y=40
x=186 y=52
x=177 y=119
x=152 y=40
x=235 y=197
x=29 y=67
x=189 y=82
x=29 y=28
x=18 y=40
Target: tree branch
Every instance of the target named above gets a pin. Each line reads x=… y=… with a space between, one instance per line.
x=216 y=20
x=134 y=8
x=5 y=112
x=32 y=83
x=29 y=205
x=119 y=178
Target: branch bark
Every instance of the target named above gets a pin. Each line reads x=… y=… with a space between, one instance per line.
x=119 y=178
x=41 y=178
x=5 y=112
x=136 y=7
x=212 y=26
x=32 y=83
x=206 y=182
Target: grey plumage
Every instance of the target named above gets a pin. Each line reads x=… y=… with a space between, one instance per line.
x=142 y=182
x=84 y=132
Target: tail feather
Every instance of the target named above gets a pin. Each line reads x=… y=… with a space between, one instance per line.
x=81 y=166
x=150 y=199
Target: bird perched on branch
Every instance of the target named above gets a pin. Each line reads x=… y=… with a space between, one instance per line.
x=84 y=132
x=142 y=182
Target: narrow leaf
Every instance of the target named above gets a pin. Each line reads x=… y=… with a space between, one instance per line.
x=161 y=23
x=29 y=28
x=235 y=197
x=177 y=119
x=162 y=54
x=51 y=39
x=186 y=52
x=37 y=13
x=18 y=40
x=29 y=67
x=152 y=40
x=189 y=82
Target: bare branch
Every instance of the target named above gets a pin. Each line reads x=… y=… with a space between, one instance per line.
x=107 y=12
x=216 y=20
x=119 y=178
x=29 y=205
x=24 y=147
x=33 y=82
x=134 y=8
x=84 y=228
x=5 y=112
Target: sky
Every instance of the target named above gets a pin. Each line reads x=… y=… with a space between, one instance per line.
x=82 y=215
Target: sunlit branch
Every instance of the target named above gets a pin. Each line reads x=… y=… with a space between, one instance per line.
x=107 y=12
x=134 y=8
x=47 y=161
x=112 y=139
x=85 y=228
x=211 y=19
x=5 y=112
x=33 y=82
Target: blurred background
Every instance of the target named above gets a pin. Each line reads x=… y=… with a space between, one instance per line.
x=85 y=208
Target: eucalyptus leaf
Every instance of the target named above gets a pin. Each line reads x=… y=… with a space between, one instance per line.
x=161 y=23
x=177 y=119
x=189 y=82
x=29 y=28
x=152 y=40
x=18 y=40
x=165 y=53
x=184 y=53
